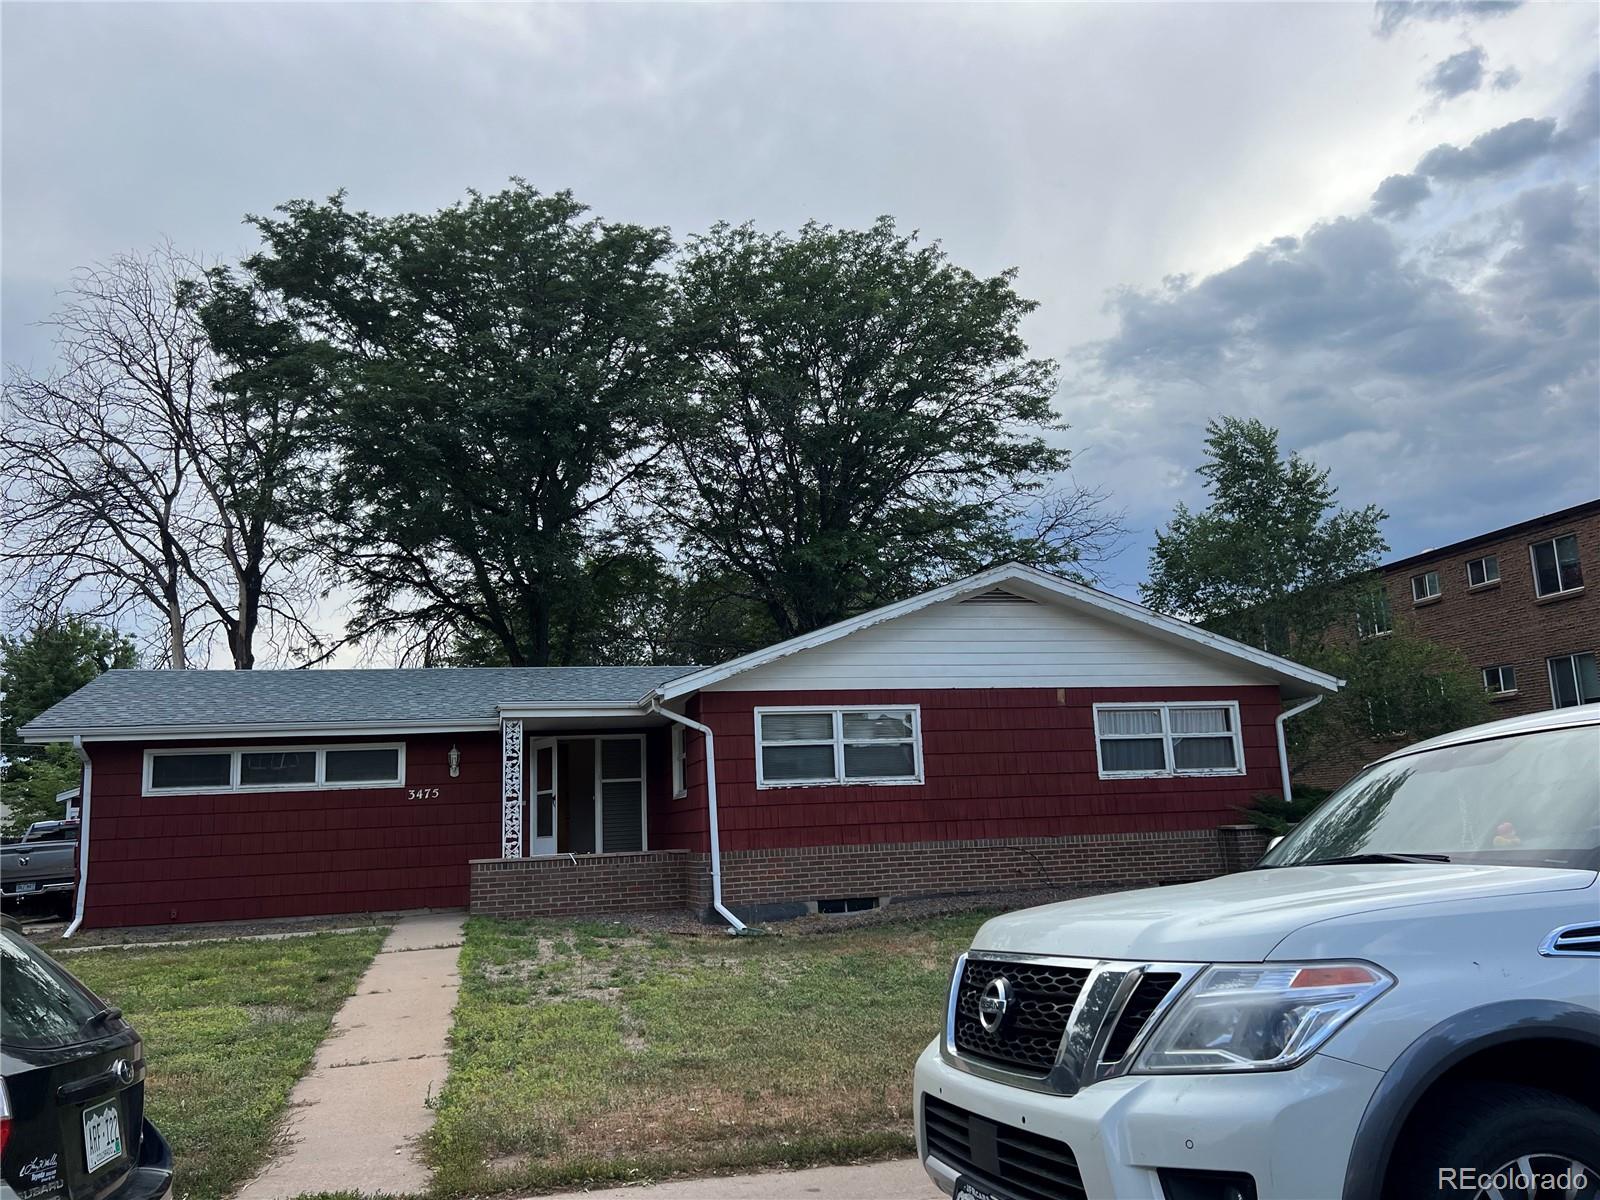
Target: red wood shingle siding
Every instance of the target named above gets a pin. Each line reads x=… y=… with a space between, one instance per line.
x=997 y=763
x=247 y=855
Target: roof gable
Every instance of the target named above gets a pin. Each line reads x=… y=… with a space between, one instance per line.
x=1006 y=586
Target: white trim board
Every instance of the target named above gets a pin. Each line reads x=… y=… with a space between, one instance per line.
x=1296 y=680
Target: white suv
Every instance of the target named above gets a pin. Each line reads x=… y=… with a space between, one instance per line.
x=1401 y=1000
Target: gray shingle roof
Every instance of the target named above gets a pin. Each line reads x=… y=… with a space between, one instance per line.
x=214 y=699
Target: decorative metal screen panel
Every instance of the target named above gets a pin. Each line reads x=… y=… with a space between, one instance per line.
x=511 y=788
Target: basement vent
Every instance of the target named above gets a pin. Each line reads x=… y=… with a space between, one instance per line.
x=849 y=904
x=998 y=596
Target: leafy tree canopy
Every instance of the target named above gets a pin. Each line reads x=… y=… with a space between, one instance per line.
x=1272 y=560
x=37 y=671
x=495 y=385
x=863 y=421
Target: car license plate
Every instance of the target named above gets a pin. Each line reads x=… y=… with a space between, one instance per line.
x=102 y=1134
x=967 y=1190
x=24 y=888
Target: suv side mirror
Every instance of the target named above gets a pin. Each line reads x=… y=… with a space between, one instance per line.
x=1273 y=844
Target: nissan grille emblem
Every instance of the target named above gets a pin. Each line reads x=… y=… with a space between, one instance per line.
x=994 y=1002
x=123 y=1070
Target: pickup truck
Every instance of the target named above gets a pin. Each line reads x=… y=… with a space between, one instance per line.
x=43 y=863
x=1401 y=1000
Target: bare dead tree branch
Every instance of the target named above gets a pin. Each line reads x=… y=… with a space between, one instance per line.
x=134 y=490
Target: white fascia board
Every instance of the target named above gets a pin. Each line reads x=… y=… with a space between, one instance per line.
x=1053 y=588
x=605 y=708
x=175 y=733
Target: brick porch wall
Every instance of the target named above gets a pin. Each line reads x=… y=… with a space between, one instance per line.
x=591 y=883
x=667 y=879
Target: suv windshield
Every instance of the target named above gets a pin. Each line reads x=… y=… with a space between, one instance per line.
x=40 y=1004
x=1532 y=800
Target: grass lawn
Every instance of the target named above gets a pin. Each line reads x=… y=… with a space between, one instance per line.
x=588 y=1053
x=228 y=1027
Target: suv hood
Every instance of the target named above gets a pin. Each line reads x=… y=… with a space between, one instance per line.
x=1240 y=918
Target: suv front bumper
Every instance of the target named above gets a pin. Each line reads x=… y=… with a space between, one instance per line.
x=1290 y=1130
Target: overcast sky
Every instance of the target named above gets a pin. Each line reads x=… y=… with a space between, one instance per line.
x=1376 y=229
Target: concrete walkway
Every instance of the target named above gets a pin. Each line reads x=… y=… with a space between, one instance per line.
x=355 y=1117
x=903 y=1179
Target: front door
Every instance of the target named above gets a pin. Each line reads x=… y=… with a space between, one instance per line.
x=542 y=771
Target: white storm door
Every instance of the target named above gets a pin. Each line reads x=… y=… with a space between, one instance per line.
x=542 y=772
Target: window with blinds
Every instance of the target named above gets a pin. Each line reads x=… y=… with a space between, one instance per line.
x=797 y=747
x=1163 y=740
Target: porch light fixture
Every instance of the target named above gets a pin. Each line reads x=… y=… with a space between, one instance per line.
x=455 y=761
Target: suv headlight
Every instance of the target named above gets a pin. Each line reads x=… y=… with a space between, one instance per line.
x=1259 y=1018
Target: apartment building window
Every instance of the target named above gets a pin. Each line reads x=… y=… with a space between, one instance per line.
x=1373 y=618
x=1555 y=565
x=1425 y=587
x=1500 y=681
x=1574 y=679
x=1483 y=571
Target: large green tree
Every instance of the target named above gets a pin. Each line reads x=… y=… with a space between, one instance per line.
x=494 y=383
x=1273 y=560
x=36 y=671
x=863 y=420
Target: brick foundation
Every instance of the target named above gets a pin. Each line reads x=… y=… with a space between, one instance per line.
x=771 y=879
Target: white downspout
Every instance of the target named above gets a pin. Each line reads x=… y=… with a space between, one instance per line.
x=711 y=806
x=83 y=836
x=1283 y=749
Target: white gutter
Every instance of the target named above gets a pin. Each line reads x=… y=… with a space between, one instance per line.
x=711 y=807
x=83 y=838
x=1283 y=749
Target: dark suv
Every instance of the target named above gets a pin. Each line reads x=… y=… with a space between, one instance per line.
x=72 y=1124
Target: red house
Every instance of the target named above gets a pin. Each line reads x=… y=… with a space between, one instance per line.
x=1006 y=730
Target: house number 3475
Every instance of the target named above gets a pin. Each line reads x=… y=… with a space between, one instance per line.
x=422 y=793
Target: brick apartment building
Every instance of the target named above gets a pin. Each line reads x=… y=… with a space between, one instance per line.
x=1514 y=602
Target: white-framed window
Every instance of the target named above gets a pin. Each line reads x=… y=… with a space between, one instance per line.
x=274 y=768
x=1574 y=680
x=1500 y=681
x=680 y=774
x=806 y=746
x=1556 y=568
x=1373 y=618
x=1424 y=586
x=1152 y=741
x=1481 y=572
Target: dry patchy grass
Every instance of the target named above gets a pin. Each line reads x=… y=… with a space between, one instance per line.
x=585 y=1053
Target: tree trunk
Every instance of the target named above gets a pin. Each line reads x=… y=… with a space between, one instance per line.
x=175 y=628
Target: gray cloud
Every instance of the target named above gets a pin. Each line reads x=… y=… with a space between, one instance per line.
x=1500 y=150
x=1458 y=74
x=1397 y=197
x=1506 y=78
x=1390 y=15
x=1409 y=368
x=1510 y=147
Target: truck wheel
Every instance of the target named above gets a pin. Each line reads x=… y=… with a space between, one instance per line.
x=1483 y=1136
